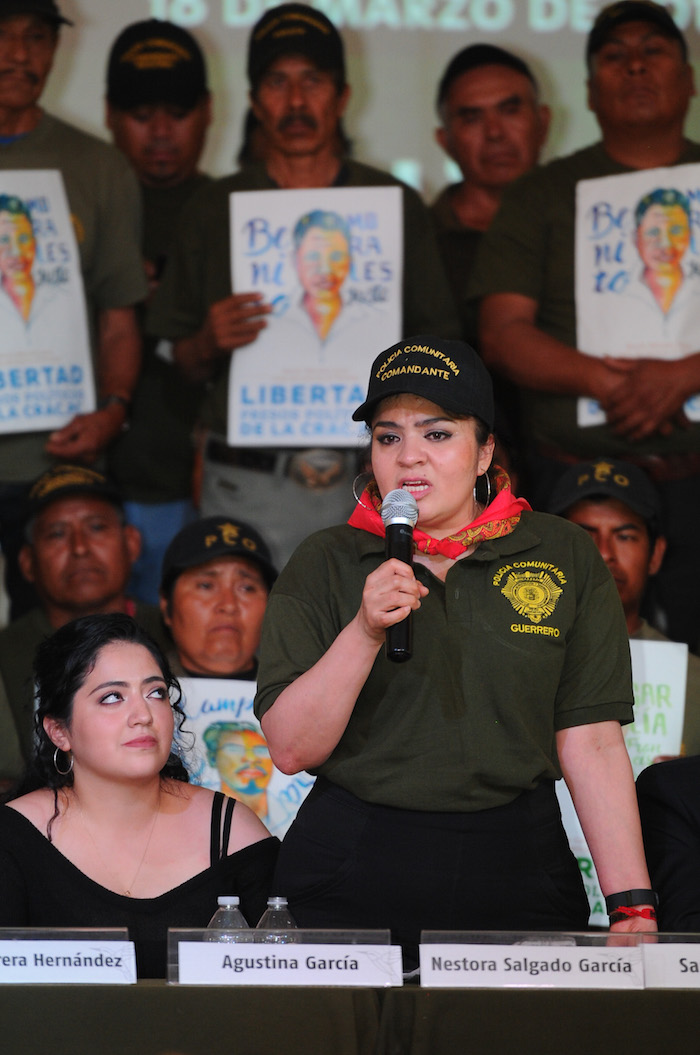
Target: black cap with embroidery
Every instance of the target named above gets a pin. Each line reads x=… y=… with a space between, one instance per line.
x=294 y=29
x=448 y=373
x=607 y=478
x=47 y=9
x=65 y=481
x=212 y=537
x=155 y=62
x=614 y=15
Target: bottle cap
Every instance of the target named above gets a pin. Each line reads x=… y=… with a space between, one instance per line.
x=228 y=901
x=276 y=902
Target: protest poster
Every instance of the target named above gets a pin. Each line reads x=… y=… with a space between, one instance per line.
x=659 y=674
x=638 y=270
x=229 y=752
x=330 y=262
x=45 y=366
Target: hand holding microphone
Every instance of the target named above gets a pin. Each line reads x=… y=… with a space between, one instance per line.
x=399 y=513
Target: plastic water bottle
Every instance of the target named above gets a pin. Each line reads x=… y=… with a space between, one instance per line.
x=278 y=921
x=226 y=921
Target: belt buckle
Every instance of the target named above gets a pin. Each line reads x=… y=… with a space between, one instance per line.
x=317 y=469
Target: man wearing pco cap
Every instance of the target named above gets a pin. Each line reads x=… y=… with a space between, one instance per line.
x=298 y=93
x=619 y=507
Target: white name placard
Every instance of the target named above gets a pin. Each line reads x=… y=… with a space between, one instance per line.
x=67 y=962
x=260 y=963
x=671 y=966
x=546 y=967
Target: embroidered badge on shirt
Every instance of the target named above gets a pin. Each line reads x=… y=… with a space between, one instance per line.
x=532 y=594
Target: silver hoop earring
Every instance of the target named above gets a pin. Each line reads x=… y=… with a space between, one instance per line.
x=61 y=772
x=356 y=487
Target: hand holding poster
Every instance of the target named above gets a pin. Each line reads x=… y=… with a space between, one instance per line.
x=45 y=366
x=230 y=754
x=638 y=270
x=329 y=261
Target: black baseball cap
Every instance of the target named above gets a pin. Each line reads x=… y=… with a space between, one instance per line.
x=448 y=373
x=212 y=537
x=65 y=481
x=44 y=8
x=294 y=29
x=606 y=477
x=622 y=11
x=155 y=62
x=475 y=56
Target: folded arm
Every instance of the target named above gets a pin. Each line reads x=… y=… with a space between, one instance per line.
x=639 y=396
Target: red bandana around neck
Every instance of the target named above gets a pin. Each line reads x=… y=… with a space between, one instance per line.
x=498 y=518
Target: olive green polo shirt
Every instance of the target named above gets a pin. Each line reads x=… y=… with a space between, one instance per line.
x=524 y=638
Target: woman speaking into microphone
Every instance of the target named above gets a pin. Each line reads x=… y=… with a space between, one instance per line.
x=435 y=806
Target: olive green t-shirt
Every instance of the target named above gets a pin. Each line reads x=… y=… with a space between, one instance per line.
x=153 y=460
x=524 y=638
x=458 y=246
x=529 y=250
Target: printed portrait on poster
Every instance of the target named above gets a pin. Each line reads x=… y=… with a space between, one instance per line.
x=322 y=263
x=45 y=365
x=238 y=752
x=230 y=754
x=638 y=270
x=662 y=236
x=330 y=263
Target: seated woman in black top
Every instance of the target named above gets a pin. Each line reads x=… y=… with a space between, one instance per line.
x=105 y=831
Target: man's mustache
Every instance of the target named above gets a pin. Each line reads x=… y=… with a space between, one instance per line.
x=27 y=74
x=297 y=118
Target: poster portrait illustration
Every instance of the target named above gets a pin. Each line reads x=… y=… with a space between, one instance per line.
x=638 y=269
x=330 y=263
x=229 y=752
x=45 y=365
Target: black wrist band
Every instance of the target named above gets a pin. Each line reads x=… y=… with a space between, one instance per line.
x=631 y=897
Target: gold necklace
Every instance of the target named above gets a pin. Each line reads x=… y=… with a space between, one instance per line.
x=127 y=891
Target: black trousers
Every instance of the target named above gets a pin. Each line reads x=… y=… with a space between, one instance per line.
x=348 y=863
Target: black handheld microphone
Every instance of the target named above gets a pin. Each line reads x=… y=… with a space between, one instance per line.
x=399 y=513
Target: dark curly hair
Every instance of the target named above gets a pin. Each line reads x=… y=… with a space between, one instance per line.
x=61 y=665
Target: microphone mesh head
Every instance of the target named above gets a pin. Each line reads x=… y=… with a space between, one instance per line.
x=399 y=505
